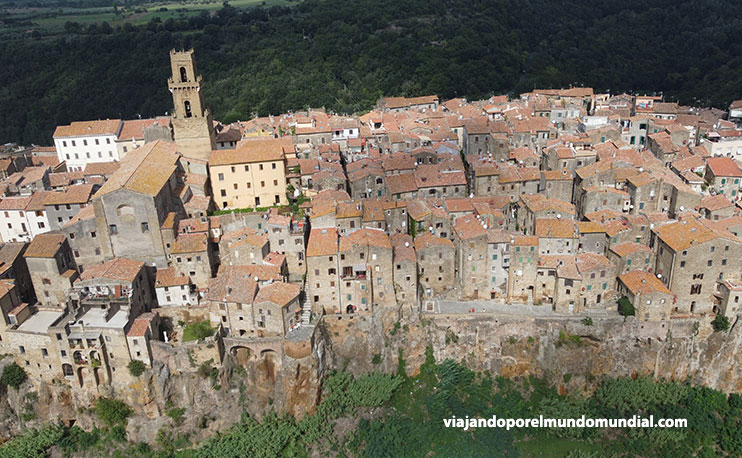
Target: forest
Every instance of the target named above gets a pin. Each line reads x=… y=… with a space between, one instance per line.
x=400 y=415
x=344 y=55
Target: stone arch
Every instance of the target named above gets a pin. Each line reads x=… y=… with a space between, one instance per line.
x=97 y=373
x=183 y=75
x=269 y=362
x=67 y=370
x=241 y=354
x=125 y=210
x=187 y=107
x=79 y=357
x=82 y=374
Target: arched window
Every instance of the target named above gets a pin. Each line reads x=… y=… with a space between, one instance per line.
x=187 y=105
x=183 y=75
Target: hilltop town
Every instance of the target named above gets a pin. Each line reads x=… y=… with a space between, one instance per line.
x=133 y=243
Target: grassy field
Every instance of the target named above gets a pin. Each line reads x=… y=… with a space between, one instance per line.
x=51 y=20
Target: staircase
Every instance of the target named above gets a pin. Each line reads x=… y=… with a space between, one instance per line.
x=306 y=311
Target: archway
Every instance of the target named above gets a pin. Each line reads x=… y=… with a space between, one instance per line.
x=241 y=354
x=183 y=75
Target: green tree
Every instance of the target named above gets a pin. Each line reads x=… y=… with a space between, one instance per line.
x=136 y=367
x=625 y=307
x=13 y=375
x=720 y=323
x=112 y=412
x=197 y=331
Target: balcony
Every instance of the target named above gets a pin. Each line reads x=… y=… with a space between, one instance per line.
x=353 y=273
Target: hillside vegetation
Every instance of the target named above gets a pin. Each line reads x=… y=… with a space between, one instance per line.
x=378 y=415
x=344 y=55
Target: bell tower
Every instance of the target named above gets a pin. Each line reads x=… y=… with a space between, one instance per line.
x=194 y=129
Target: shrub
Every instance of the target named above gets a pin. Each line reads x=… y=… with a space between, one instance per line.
x=376 y=359
x=625 y=307
x=587 y=321
x=13 y=375
x=197 y=331
x=136 y=367
x=176 y=413
x=720 y=323
x=112 y=412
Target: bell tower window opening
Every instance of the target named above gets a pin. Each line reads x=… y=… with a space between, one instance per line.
x=183 y=75
x=187 y=105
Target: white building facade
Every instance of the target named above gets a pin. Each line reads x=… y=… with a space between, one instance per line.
x=84 y=142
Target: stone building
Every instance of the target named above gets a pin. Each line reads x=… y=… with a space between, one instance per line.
x=366 y=272
x=691 y=256
x=436 y=260
x=470 y=239
x=651 y=299
x=62 y=206
x=629 y=256
x=243 y=247
x=323 y=280
x=556 y=236
x=246 y=309
x=288 y=237
x=405 y=270
x=133 y=204
x=728 y=298
x=192 y=255
x=82 y=235
x=52 y=268
x=13 y=267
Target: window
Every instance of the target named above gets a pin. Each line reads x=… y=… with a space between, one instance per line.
x=262 y=184
x=22 y=349
x=224 y=193
x=275 y=182
x=273 y=165
x=221 y=177
x=113 y=229
x=247 y=168
x=260 y=166
x=145 y=227
x=97 y=251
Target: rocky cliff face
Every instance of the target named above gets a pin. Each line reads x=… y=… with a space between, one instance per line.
x=214 y=400
x=565 y=351
x=548 y=348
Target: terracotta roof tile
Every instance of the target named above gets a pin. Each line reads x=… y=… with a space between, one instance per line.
x=119 y=269
x=45 y=245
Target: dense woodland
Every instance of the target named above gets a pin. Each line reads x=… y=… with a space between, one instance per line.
x=402 y=416
x=344 y=55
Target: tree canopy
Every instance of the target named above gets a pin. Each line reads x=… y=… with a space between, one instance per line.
x=345 y=55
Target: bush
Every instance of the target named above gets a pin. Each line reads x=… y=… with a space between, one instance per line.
x=176 y=413
x=720 y=323
x=587 y=321
x=197 y=331
x=625 y=307
x=13 y=375
x=112 y=412
x=136 y=367
x=376 y=359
